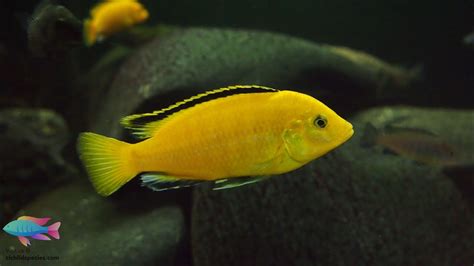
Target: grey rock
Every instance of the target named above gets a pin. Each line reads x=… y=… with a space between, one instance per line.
x=52 y=29
x=29 y=130
x=31 y=141
x=98 y=230
x=353 y=206
x=182 y=62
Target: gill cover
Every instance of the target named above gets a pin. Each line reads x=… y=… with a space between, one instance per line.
x=297 y=144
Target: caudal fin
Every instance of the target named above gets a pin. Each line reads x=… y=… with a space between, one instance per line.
x=53 y=230
x=107 y=162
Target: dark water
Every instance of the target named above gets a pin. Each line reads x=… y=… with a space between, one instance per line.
x=404 y=65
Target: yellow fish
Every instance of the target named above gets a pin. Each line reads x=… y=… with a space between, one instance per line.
x=232 y=140
x=112 y=16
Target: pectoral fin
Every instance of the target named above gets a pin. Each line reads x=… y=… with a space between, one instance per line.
x=236 y=182
x=295 y=145
x=160 y=181
x=25 y=241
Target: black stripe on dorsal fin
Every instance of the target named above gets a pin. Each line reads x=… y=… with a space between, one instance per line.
x=143 y=125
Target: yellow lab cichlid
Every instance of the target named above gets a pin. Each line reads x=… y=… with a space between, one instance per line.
x=112 y=16
x=232 y=140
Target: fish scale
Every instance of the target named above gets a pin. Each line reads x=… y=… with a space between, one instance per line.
x=223 y=139
x=227 y=127
x=25 y=228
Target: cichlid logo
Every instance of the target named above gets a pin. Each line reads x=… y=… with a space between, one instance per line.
x=27 y=226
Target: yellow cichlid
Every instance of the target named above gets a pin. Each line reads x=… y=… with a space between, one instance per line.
x=232 y=140
x=112 y=16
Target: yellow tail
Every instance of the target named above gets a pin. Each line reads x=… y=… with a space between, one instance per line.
x=107 y=162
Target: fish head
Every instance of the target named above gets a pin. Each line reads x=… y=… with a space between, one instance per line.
x=139 y=13
x=316 y=130
x=10 y=228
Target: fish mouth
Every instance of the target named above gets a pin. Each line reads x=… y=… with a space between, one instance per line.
x=351 y=132
x=348 y=134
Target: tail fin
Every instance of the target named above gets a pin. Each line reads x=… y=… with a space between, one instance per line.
x=89 y=33
x=53 y=230
x=106 y=161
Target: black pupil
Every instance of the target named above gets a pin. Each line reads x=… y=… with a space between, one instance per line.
x=321 y=122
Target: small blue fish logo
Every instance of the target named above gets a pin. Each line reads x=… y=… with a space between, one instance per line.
x=33 y=227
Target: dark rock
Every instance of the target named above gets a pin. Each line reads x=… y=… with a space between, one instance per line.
x=98 y=230
x=32 y=131
x=53 y=30
x=354 y=206
x=182 y=62
x=31 y=141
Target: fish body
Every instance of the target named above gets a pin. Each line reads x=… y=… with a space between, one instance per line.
x=419 y=147
x=27 y=226
x=415 y=144
x=112 y=16
x=245 y=134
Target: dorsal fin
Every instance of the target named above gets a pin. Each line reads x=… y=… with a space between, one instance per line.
x=143 y=125
x=38 y=221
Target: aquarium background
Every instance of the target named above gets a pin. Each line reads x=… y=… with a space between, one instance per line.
x=357 y=205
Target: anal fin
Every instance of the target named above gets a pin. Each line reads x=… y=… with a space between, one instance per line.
x=40 y=237
x=161 y=181
x=237 y=182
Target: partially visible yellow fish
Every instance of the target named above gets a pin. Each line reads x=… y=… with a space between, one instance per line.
x=231 y=141
x=112 y=16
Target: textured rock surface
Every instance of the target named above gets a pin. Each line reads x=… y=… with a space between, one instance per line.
x=31 y=131
x=354 y=206
x=182 y=62
x=31 y=142
x=98 y=230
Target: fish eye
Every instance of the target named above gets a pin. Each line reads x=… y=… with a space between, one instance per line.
x=320 y=121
